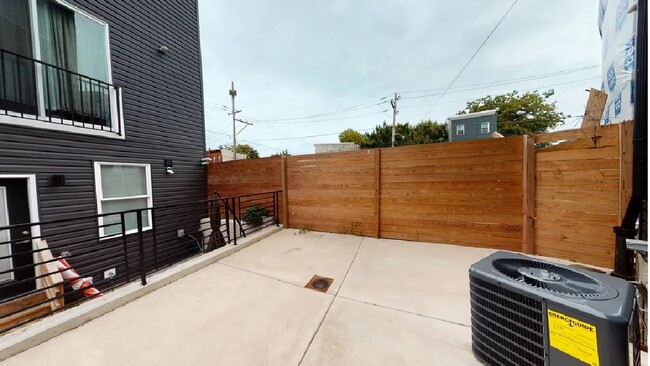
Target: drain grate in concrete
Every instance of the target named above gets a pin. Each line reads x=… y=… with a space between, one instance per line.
x=320 y=283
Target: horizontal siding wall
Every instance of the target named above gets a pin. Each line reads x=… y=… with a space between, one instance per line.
x=163 y=113
x=466 y=193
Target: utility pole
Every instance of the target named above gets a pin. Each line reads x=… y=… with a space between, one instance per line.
x=233 y=94
x=393 y=103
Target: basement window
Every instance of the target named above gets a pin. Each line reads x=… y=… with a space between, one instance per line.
x=460 y=129
x=122 y=187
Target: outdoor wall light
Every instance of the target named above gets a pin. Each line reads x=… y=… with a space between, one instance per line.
x=163 y=49
x=168 y=166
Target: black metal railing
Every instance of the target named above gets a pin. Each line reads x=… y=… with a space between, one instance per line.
x=37 y=90
x=34 y=282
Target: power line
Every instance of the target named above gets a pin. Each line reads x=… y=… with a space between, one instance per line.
x=472 y=89
x=276 y=132
x=218 y=133
x=474 y=55
x=511 y=81
x=358 y=106
x=258 y=144
x=482 y=87
x=310 y=136
x=331 y=119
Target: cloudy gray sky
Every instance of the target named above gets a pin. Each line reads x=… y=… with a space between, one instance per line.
x=333 y=61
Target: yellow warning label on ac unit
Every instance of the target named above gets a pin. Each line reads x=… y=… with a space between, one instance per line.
x=573 y=337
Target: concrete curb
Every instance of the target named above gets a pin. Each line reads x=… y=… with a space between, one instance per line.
x=41 y=331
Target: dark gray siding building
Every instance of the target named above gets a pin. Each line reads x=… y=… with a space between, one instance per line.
x=94 y=97
x=472 y=126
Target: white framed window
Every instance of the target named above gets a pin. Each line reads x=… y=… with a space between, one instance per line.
x=57 y=61
x=6 y=264
x=485 y=127
x=460 y=129
x=122 y=187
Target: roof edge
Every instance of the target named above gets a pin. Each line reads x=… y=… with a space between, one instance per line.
x=473 y=115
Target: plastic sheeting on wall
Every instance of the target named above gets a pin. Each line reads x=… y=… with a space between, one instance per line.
x=617 y=24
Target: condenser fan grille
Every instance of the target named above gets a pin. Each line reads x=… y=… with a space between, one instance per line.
x=550 y=277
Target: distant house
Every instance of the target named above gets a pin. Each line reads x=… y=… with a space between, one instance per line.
x=221 y=155
x=336 y=147
x=472 y=126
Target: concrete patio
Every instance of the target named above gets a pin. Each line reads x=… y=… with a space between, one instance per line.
x=392 y=303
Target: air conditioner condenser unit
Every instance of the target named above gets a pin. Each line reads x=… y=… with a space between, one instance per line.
x=526 y=311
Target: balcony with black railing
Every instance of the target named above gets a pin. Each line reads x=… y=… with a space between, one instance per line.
x=38 y=94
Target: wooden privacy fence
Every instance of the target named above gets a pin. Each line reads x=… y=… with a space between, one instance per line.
x=582 y=188
x=559 y=201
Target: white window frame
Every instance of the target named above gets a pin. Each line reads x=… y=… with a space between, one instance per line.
x=65 y=125
x=5 y=211
x=460 y=130
x=487 y=130
x=32 y=198
x=99 y=194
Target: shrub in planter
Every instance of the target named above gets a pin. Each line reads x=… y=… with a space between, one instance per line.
x=254 y=215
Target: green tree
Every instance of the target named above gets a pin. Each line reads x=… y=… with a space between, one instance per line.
x=351 y=135
x=428 y=131
x=520 y=114
x=282 y=153
x=382 y=134
x=425 y=132
x=244 y=149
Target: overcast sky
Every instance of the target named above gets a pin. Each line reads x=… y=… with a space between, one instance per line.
x=334 y=60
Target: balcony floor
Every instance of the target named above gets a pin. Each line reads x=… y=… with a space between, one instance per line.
x=392 y=303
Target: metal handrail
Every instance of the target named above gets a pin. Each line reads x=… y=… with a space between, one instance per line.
x=2 y=50
x=131 y=254
x=232 y=209
x=84 y=81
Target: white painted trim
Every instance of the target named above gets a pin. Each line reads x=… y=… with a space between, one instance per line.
x=124 y=198
x=32 y=197
x=36 y=52
x=473 y=115
x=40 y=93
x=66 y=126
x=108 y=55
x=99 y=195
x=488 y=127
x=80 y=11
x=460 y=128
x=102 y=23
x=5 y=208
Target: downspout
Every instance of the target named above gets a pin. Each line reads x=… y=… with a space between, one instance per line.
x=624 y=260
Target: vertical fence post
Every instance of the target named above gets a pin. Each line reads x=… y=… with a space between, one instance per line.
x=143 y=271
x=235 y=220
x=154 y=237
x=378 y=192
x=227 y=217
x=625 y=167
x=285 y=191
x=126 y=252
x=275 y=208
x=528 y=183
